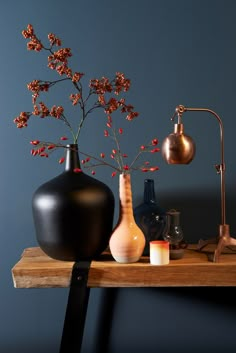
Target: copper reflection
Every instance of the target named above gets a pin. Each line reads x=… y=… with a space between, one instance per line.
x=178 y=148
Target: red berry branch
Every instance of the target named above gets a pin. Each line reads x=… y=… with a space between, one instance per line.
x=102 y=93
x=58 y=60
x=119 y=157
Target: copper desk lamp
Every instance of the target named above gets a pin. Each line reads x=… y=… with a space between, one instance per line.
x=179 y=148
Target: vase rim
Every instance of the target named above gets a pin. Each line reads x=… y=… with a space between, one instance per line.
x=72 y=144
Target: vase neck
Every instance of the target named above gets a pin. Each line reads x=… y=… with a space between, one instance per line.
x=72 y=157
x=173 y=218
x=149 y=191
x=125 y=193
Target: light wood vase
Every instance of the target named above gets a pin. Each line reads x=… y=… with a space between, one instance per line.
x=127 y=240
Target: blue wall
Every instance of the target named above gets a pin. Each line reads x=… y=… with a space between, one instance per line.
x=175 y=52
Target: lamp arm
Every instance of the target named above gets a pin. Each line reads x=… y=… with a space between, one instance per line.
x=221 y=167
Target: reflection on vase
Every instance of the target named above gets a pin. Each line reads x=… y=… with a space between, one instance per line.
x=73 y=213
x=149 y=216
x=127 y=241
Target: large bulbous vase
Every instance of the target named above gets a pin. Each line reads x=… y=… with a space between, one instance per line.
x=127 y=240
x=73 y=213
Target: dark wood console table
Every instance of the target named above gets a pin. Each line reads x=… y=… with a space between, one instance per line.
x=37 y=270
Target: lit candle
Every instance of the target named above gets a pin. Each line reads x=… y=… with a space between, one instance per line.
x=159 y=252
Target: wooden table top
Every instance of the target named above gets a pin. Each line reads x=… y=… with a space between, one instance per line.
x=36 y=270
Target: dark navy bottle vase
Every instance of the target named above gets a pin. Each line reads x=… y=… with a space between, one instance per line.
x=149 y=216
x=73 y=213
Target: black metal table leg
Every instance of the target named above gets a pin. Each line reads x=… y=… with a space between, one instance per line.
x=76 y=310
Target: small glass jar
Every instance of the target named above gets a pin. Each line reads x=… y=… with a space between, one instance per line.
x=174 y=234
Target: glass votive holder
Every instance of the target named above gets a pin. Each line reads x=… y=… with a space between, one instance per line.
x=159 y=252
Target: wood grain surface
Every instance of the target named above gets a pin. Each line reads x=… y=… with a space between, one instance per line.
x=37 y=270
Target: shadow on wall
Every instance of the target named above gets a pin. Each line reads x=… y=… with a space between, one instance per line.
x=200 y=212
x=167 y=320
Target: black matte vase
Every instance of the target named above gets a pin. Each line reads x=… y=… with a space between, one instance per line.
x=149 y=216
x=73 y=213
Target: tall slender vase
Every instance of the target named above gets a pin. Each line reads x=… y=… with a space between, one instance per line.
x=127 y=240
x=73 y=213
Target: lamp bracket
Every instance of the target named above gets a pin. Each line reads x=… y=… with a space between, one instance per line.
x=220 y=168
x=179 y=110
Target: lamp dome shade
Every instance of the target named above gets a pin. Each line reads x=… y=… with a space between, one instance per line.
x=178 y=148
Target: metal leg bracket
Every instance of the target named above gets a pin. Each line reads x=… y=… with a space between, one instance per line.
x=76 y=310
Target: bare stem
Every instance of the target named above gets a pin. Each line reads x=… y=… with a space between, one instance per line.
x=136 y=158
x=119 y=159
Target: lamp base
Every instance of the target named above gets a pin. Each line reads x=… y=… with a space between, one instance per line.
x=223 y=240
